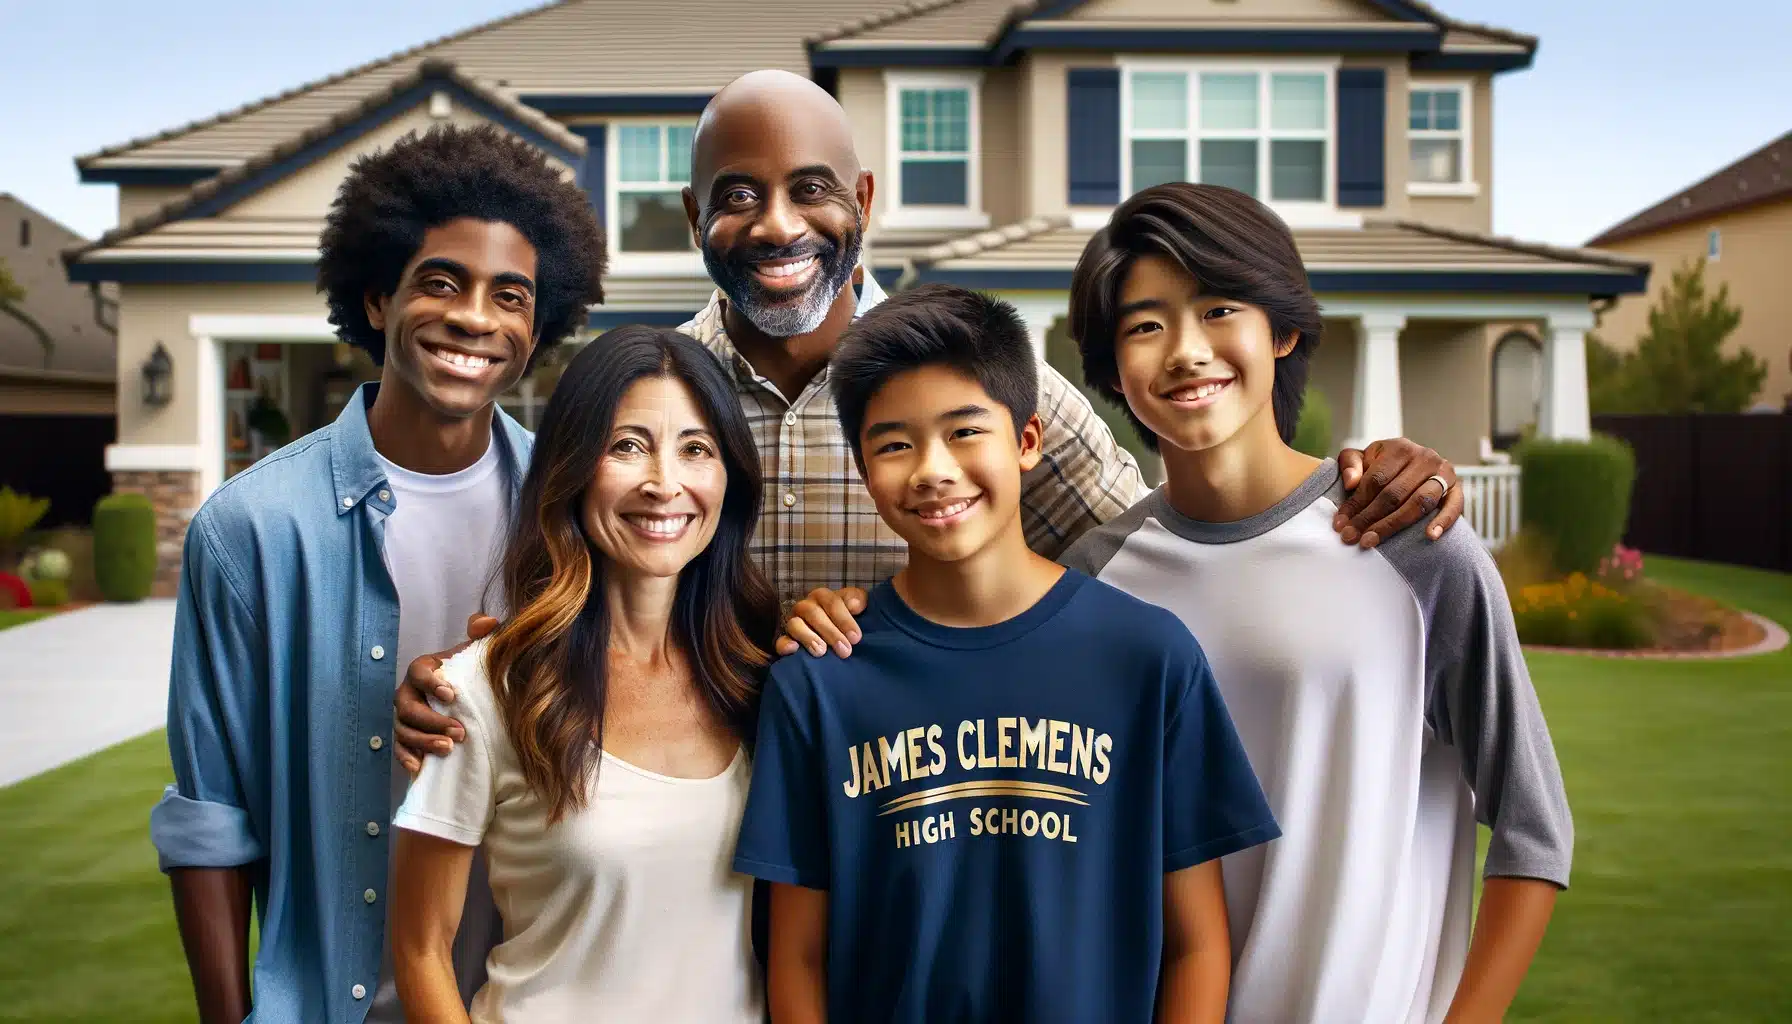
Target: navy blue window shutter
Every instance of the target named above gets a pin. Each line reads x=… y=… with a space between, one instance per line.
x=591 y=172
x=1362 y=136
x=1094 y=136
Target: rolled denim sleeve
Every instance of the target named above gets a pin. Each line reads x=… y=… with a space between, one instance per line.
x=214 y=815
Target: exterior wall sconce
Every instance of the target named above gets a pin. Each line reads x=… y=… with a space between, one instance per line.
x=158 y=378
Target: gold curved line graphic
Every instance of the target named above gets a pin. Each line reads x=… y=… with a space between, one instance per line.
x=965 y=791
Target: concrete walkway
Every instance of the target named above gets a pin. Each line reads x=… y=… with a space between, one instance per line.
x=81 y=681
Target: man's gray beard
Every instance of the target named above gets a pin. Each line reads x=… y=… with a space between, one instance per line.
x=789 y=319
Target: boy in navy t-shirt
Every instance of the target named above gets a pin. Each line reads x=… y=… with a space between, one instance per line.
x=1009 y=804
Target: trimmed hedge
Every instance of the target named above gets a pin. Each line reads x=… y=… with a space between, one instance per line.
x=1313 y=431
x=1577 y=495
x=124 y=546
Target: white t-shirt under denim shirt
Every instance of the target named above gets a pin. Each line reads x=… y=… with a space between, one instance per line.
x=627 y=909
x=441 y=543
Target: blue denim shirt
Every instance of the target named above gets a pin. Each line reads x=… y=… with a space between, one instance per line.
x=280 y=710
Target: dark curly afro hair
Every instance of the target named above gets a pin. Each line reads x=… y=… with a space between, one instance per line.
x=390 y=198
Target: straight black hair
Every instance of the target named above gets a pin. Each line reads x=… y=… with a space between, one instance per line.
x=935 y=325
x=1232 y=246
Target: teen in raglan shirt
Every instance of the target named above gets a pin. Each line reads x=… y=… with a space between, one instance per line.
x=1379 y=747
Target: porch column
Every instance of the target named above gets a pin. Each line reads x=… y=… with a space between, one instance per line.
x=1039 y=325
x=1375 y=411
x=1565 y=413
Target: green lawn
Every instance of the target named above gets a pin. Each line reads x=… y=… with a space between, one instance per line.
x=1682 y=878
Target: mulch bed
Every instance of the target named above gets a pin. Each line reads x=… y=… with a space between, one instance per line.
x=1694 y=626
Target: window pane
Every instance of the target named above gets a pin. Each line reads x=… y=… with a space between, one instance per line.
x=951 y=121
x=1517 y=384
x=638 y=152
x=914 y=121
x=1155 y=161
x=1160 y=101
x=1297 y=169
x=1435 y=161
x=1419 y=118
x=1228 y=102
x=1297 y=102
x=1446 y=113
x=935 y=183
x=678 y=153
x=652 y=222
x=1231 y=162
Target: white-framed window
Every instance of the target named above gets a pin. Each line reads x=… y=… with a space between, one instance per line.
x=935 y=177
x=1714 y=245
x=649 y=167
x=1439 y=156
x=1262 y=128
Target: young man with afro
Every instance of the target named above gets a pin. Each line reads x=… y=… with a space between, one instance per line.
x=455 y=259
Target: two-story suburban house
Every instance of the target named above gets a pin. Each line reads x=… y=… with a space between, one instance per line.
x=1001 y=134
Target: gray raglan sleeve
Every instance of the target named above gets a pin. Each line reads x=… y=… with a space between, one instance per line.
x=1479 y=699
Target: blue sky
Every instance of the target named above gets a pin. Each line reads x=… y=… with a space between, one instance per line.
x=1628 y=101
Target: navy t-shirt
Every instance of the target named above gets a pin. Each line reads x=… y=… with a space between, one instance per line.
x=992 y=811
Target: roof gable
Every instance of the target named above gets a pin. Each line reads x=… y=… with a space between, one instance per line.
x=294 y=155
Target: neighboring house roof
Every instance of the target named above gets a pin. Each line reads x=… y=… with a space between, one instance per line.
x=84 y=349
x=188 y=213
x=1386 y=254
x=1761 y=176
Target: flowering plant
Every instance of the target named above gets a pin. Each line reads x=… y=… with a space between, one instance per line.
x=1623 y=563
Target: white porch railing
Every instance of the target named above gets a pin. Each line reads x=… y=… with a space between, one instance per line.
x=1490 y=501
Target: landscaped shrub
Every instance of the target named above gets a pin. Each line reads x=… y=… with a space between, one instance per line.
x=1577 y=494
x=1313 y=431
x=1578 y=612
x=18 y=513
x=124 y=546
x=48 y=593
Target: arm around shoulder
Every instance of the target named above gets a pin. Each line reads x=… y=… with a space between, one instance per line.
x=1085 y=478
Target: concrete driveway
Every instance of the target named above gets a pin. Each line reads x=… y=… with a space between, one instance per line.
x=81 y=681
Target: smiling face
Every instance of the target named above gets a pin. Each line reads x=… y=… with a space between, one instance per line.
x=942 y=463
x=657 y=495
x=460 y=325
x=1195 y=369
x=778 y=203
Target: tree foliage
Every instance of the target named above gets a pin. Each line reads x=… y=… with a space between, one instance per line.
x=1678 y=365
x=11 y=295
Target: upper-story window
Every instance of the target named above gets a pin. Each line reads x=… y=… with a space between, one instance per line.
x=1267 y=132
x=653 y=165
x=933 y=146
x=24 y=233
x=1714 y=245
x=1437 y=139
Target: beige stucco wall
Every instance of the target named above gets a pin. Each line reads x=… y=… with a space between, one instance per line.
x=161 y=312
x=1001 y=129
x=1044 y=173
x=861 y=94
x=1468 y=212
x=136 y=200
x=1445 y=387
x=1228 y=10
x=1755 y=252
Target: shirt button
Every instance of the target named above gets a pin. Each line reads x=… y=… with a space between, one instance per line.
x=790 y=418
x=373 y=827
x=348 y=502
x=385 y=495
x=375 y=742
x=789 y=499
x=370 y=895
x=378 y=652
x=359 y=991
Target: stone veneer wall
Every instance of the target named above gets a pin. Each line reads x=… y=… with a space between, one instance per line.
x=175 y=495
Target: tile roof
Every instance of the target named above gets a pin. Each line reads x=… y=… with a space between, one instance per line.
x=1052 y=243
x=564 y=47
x=1761 y=176
x=427 y=70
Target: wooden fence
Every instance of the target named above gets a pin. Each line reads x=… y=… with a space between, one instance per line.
x=1716 y=487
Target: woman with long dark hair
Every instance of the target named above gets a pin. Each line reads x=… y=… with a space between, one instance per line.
x=605 y=768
